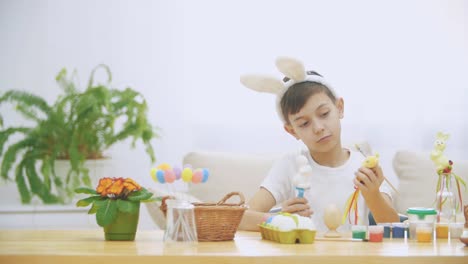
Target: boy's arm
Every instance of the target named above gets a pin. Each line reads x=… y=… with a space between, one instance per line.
x=380 y=204
x=382 y=209
x=258 y=209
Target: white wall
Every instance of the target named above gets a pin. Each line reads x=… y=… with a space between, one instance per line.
x=400 y=65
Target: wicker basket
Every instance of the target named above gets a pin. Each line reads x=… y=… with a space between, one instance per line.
x=216 y=221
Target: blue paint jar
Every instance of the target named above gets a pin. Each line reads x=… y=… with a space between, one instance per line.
x=398 y=230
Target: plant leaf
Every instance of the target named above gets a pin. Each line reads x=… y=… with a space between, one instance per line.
x=37 y=185
x=107 y=212
x=128 y=206
x=85 y=190
x=93 y=209
x=140 y=195
x=25 y=193
x=86 y=201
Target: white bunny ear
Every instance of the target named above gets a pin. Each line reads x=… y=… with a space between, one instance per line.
x=265 y=84
x=292 y=68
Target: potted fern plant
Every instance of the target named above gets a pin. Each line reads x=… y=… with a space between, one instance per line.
x=78 y=126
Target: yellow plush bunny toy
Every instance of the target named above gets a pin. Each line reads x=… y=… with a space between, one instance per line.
x=437 y=155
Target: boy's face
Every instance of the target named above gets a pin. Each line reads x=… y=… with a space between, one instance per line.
x=317 y=124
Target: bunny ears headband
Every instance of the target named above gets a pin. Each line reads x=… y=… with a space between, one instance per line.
x=293 y=69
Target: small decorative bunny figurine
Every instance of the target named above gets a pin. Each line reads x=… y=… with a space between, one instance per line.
x=437 y=155
x=351 y=206
x=371 y=161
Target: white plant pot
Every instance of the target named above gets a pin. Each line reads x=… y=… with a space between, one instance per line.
x=97 y=169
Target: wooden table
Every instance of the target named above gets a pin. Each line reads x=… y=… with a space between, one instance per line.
x=88 y=246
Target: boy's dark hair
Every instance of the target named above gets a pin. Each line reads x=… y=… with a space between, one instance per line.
x=297 y=95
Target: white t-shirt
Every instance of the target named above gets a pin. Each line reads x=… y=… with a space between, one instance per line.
x=328 y=186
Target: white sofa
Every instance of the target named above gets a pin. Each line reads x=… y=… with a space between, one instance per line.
x=416 y=178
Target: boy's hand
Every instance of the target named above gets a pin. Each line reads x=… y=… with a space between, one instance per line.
x=298 y=206
x=369 y=180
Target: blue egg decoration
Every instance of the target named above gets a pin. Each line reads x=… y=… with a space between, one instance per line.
x=206 y=173
x=160 y=176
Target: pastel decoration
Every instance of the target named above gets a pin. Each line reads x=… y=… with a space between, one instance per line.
x=153 y=174
x=164 y=166
x=160 y=176
x=197 y=176
x=371 y=161
x=177 y=172
x=206 y=173
x=187 y=175
x=164 y=173
x=302 y=178
x=169 y=176
x=269 y=219
x=444 y=166
x=437 y=155
x=351 y=207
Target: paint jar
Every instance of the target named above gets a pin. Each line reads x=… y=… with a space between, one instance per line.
x=442 y=230
x=456 y=229
x=420 y=216
x=424 y=232
x=398 y=230
x=387 y=229
x=376 y=233
x=359 y=231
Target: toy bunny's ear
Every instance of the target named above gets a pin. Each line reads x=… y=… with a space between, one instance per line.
x=442 y=136
x=265 y=84
x=292 y=68
x=446 y=136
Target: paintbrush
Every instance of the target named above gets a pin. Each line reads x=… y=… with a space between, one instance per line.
x=385 y=178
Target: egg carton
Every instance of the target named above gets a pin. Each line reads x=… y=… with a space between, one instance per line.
x=302 y=236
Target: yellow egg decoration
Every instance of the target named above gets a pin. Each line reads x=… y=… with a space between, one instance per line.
x=187 y=175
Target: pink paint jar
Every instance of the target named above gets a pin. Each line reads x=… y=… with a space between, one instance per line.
x=376 y=233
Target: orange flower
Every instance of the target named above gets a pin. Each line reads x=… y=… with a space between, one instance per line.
x=117 y=187
x=104 y=183
x=131 y=185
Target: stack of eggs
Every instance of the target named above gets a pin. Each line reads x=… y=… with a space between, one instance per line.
x=288 y=229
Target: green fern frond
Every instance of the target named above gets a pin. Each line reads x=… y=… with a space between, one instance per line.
x=5 y=134
x=23 y=189
x=37 y=185
x=26 y=99
x=28 y=112
x=106 y=68
x=9 y=157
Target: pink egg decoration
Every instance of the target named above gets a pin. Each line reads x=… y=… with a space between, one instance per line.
x=197 y=176
x=169 y=176
x=177 y=172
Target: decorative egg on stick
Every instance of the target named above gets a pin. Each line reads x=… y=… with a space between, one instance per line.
x=302 y=179
x=351 y=206
x=164 y=173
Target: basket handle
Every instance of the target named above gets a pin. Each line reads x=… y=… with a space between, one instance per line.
x=229 y=195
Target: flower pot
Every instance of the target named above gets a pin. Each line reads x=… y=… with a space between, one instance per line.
x=124 y=227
